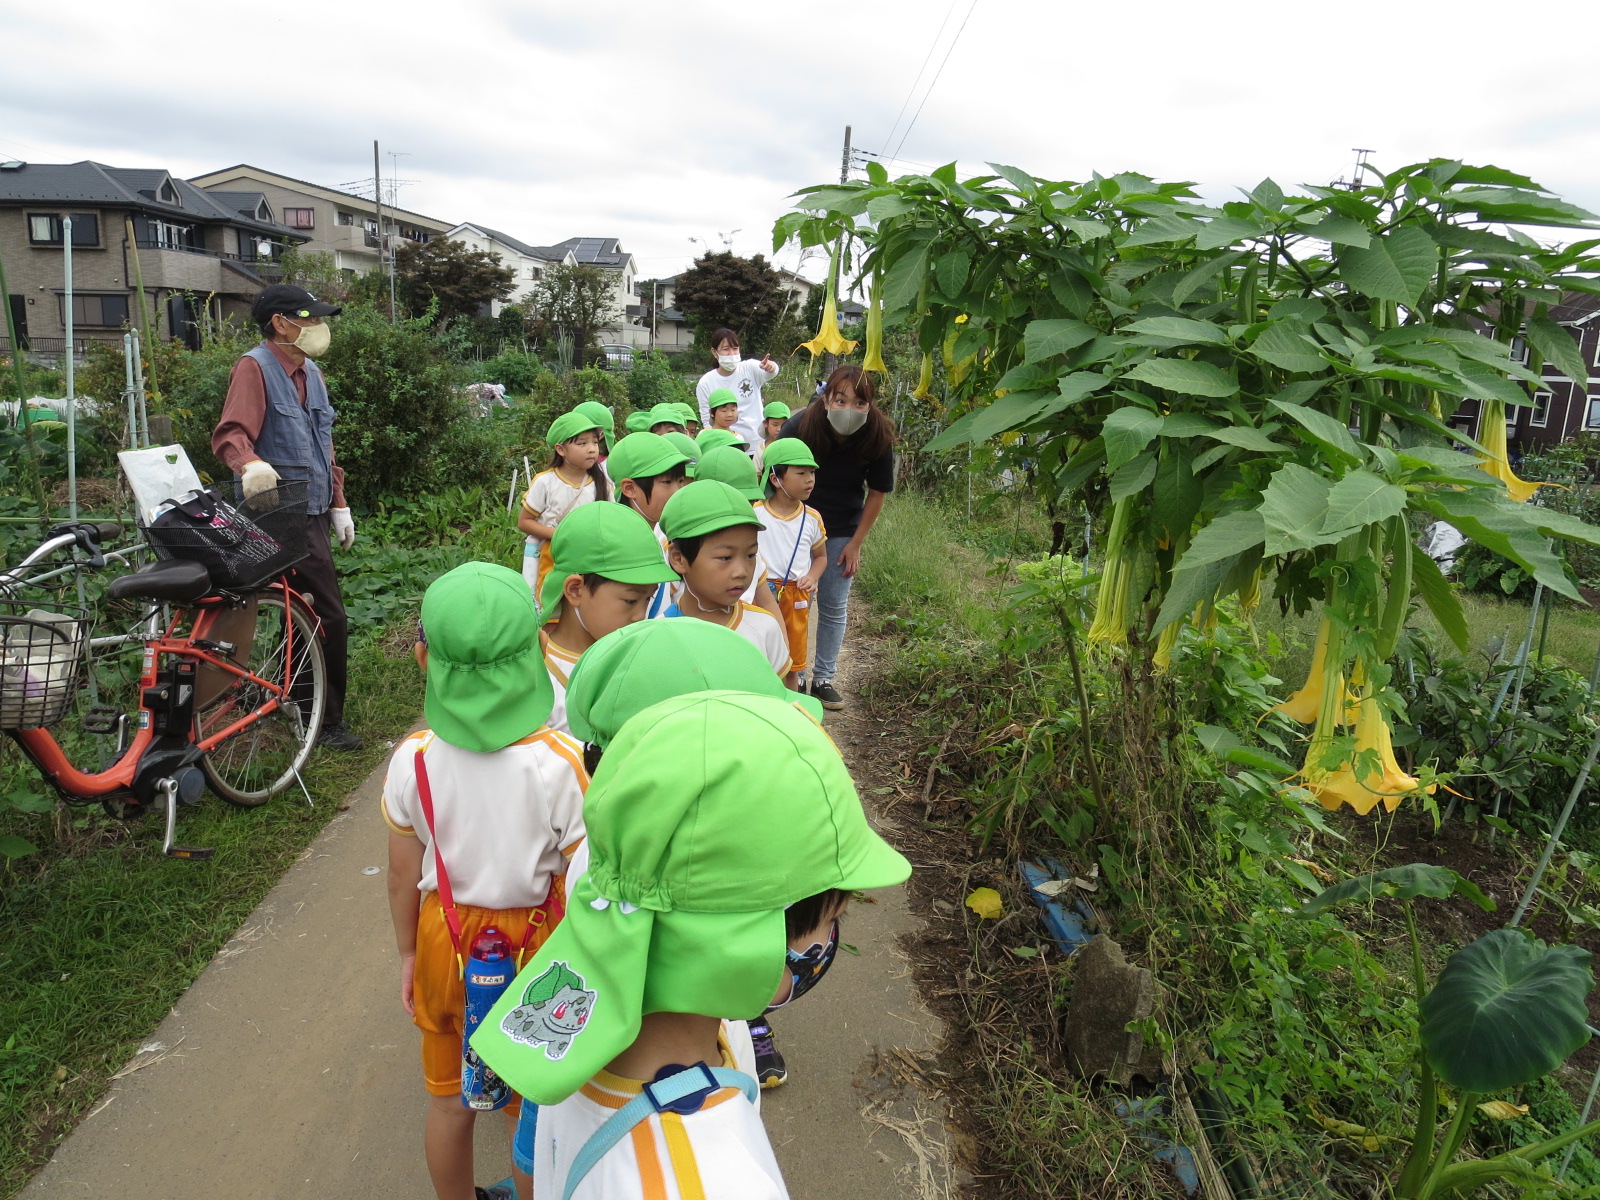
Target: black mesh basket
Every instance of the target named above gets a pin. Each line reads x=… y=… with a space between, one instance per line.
x=242 y=547
x=42 y=657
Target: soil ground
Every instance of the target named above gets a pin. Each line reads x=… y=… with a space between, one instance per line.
x=289 y=1068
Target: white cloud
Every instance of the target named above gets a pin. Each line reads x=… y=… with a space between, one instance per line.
x=657 y=123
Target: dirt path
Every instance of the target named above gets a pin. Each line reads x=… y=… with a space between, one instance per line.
x=289 y=1069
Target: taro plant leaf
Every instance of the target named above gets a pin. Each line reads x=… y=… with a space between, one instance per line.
x=1557 y=346
x=1440 y=597
x=1127 y=431
x=1293 y=507
x=1044 y=338
x=1398 y=883
x=1362 y=498
x=1396 y=266
x=1506 y=1010
x=1186 y=376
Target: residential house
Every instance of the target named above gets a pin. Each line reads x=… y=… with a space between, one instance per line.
x=331 y=221
x=626 y=327
x=1561 y=409
x=528 y=263
x=193 y=252
x=672 y=334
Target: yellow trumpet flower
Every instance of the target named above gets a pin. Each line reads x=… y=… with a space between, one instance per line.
x=829 y=339
x=1492 y=437
x=1110 y=624
x=924 y=388
x=1358 y=785
x=1304 y=705
x=873 y=360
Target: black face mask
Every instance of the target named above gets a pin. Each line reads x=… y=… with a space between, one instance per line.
x=591 y=756
x=807 y=969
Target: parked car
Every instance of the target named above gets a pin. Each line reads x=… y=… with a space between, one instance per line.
x=618 y=358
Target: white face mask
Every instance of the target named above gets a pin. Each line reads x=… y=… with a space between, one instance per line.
x=846 y=420
x=312 y=341
x=728 y=362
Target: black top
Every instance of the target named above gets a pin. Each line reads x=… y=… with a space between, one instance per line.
x=842 y=481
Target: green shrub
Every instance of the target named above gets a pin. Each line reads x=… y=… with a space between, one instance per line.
x=653 y=381
x=554 y=394
x=514 y=371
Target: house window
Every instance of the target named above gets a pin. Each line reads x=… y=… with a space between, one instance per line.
x=44 y=229
x=345 y=218
x=104 y=311
x=299 y=218
x=1519 y=350
x=1592 y=419
x=168 y=236
x=169 y=195
x=1541 y=409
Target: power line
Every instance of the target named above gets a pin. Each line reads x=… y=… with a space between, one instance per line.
x=935 y=81
x=926 y=58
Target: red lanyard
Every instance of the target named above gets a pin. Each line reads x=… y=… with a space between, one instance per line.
x=551 y=910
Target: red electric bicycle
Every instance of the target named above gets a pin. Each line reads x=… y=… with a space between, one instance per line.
x=231 y=682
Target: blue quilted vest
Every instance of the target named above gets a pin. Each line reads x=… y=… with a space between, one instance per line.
x=297 y=439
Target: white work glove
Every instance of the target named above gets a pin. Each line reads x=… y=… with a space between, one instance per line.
x=256 y=477
x=344 y=527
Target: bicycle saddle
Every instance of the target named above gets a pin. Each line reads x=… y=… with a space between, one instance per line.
x=179 y=580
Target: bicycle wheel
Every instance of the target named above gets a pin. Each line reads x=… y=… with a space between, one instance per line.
x=262 y=759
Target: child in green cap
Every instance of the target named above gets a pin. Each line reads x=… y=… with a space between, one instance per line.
x=608 y=567
x=793 y=540
x=711 y=542
x=772 y=418
x=665 y=418
x=484 y=809
x=691 y=419
x=647 y=470
x=638 y=421
x=731 y=466
x=723 y=408
x=709 y=898
x=574 y=478
x=715 y=439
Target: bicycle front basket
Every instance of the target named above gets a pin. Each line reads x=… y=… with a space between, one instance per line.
x=41 y=663
x=241 y=547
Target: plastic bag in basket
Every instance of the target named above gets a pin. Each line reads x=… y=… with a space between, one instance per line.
x=38 y=668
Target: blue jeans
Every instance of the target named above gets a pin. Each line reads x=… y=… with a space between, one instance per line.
x=833 y=603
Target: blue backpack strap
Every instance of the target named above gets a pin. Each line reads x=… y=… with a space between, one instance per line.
x=657 y=1097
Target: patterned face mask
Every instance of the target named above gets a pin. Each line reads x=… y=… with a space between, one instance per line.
x=807 y=968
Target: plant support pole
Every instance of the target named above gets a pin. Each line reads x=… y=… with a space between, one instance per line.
x=1560 y=827
x=72 y=404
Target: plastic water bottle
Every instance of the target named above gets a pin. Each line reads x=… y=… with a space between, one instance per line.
x=489 y=971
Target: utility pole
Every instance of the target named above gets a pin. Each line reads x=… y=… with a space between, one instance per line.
x=71 y=381
x=829 y=361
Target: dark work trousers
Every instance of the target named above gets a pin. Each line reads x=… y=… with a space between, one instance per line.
x=313 y=576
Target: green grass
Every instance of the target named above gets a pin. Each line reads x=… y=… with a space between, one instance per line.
x=100 y=934
x=910 y=566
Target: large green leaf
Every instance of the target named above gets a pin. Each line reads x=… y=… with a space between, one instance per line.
x=1178 y=331
x=1554 y=523
x=951 y=272
x=1341 y=231
x=1229 y=535
x=1396 y=266
x=1186 y=376
x=1183 y=425
x=1323 y=428
x=904 y=279
x=1440 y=597
x=1247 y=437
x=1506 y=1010
x=1133 y=476
x=1178 y=492
x=1196 y=279
x=1362 y=498
x=1225 y=231
x=1282 y=345
x=1127 y=431
x=1006 y=413
x=1498 y=523
x=1397 y=883
x=1293 y=507
x=1559 y=348
x=1190 y=588
x=1042 y=339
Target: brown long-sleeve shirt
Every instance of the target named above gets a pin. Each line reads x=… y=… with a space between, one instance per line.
x=244 y=410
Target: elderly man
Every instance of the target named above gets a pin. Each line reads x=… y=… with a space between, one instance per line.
x=276 y=425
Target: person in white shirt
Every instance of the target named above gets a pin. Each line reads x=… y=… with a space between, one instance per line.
x=743 y=377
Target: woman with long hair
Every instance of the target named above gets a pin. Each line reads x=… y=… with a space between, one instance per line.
x=853 y=442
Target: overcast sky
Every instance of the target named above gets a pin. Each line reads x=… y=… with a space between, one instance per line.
x=665 y=122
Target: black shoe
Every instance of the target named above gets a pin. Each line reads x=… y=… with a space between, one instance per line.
x=829 y=696
x=770 y=1069
x=338 y=737
x=499 y=1191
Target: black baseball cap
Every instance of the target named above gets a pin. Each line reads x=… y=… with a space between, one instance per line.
x=291 y=301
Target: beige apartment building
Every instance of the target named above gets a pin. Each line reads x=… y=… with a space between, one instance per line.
x=331 y=221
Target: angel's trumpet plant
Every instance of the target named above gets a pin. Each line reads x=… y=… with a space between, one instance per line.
x=924 y=388
x=1110 y=625
x=829 y=339
x=1372 y=773
x=873 y=359
x=1304 y=705
x=1492 y=436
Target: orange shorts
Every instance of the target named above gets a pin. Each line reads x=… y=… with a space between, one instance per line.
x=437 y=991
x=795 y=606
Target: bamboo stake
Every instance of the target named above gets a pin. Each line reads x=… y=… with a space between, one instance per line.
x=32 y=456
